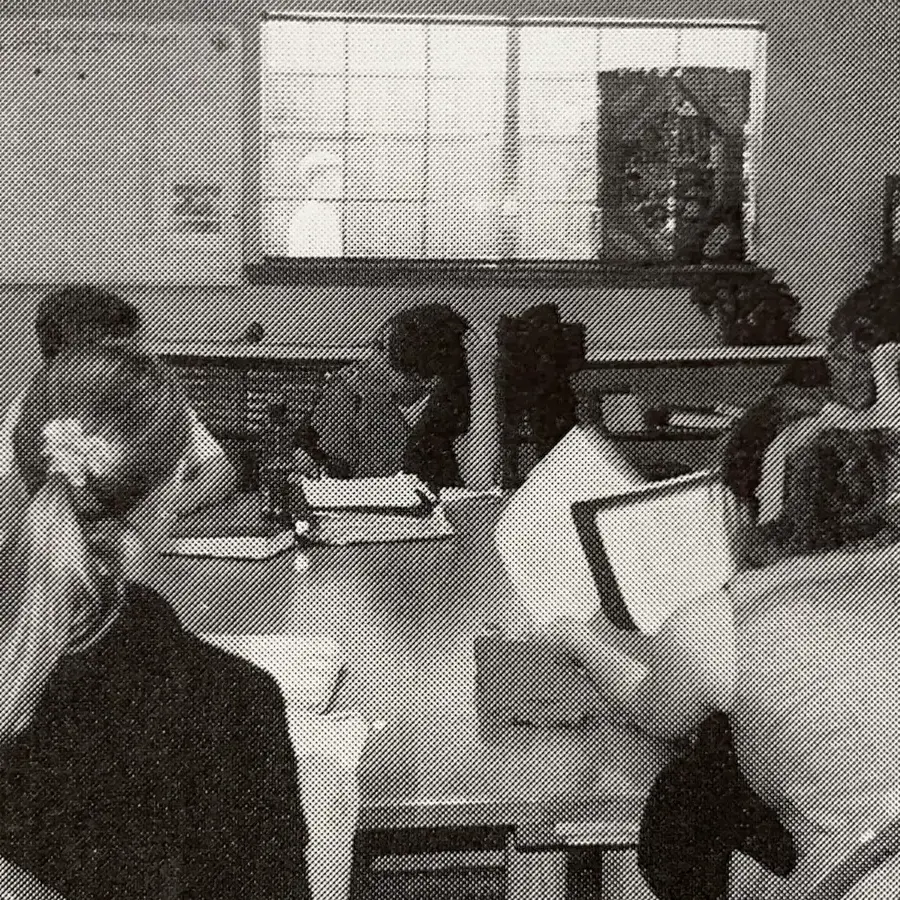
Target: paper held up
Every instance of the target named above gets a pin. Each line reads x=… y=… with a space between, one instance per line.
x=586 y=534
x=398 y=492
x=307 y=669
x=536 y=537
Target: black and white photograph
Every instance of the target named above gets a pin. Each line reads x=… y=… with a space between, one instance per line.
x=449 y=450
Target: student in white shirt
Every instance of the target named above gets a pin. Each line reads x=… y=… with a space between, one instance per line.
x=80 y=315
x=801 y=655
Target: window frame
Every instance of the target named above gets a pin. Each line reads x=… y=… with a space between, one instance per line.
x=366 y=270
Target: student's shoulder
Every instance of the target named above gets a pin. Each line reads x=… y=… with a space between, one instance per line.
x=208 y=672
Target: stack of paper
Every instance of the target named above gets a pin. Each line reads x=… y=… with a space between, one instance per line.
x=307 y=670
x=394 y=492
x=373 y=528
x=232 y=530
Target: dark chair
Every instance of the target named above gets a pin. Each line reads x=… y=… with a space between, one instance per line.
x=537 y=354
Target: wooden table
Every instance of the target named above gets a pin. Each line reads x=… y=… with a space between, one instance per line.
x=406 y=616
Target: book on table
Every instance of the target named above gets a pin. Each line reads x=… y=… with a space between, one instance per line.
x=400 y=494
x=388 y=509
x=233 y=530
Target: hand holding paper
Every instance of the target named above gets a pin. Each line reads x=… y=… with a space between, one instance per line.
x=616 y=675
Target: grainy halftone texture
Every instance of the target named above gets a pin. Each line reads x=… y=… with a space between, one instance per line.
x=147 y=150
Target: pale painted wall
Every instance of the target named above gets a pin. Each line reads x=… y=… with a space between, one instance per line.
x=833 y=104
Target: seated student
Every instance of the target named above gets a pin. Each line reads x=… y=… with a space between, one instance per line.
x=136 y=761
x=81 y=315
x=800 y=654
x=404 y=408
x=863 y=356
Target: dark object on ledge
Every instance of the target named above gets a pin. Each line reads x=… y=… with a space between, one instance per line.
x=254 y=333
x=754 y=311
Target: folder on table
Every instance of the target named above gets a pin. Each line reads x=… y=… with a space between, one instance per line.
x=400 y=494
x=234 y=530
x=350 y=527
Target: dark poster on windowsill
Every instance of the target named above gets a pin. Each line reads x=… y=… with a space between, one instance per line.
x=671 y=148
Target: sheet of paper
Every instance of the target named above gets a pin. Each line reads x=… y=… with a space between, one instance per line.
x=305 y=668
x=666 y=551
x=536 y=537
x=453 y=495
x=339 y=736
x=344 y=528
x=401 y=491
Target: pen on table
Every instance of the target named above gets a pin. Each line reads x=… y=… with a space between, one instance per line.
x=338 y=684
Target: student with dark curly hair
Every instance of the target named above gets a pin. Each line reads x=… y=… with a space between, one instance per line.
x=405 y=407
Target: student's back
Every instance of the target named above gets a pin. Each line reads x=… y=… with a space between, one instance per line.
x=154 y=766
x=135 y=761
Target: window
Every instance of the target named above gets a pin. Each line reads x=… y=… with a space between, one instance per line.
x=427 y=138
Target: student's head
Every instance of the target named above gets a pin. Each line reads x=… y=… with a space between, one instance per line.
x=866 y=318
x=799 y=393
x=422 y=344
x=79 y=315
x=100 y=446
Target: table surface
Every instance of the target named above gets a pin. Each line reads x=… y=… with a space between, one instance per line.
x=406 y=616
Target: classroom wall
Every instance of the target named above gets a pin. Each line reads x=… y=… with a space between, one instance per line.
x=832 y=107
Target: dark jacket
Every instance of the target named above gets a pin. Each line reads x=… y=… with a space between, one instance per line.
x=155 y=766
x=699 y=811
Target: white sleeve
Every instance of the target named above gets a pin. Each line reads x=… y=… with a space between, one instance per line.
x=695 y=648
x=692 y=669
x=204 y=446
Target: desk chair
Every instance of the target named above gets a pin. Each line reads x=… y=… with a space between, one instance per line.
x=865 y=861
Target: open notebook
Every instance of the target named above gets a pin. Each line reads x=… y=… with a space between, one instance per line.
x=655 y=549
x=587 y=534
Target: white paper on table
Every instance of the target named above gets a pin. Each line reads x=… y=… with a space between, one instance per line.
x=342 y=528
x=400 y=491
x=536 y=536
x=452 y=495
x=328 y=750
x=305 y=668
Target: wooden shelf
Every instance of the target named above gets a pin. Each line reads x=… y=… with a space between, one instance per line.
x=701 y=355
x=229 y=350
x=528 y=273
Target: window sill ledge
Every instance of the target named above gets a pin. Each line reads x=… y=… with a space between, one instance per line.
x=286 y=271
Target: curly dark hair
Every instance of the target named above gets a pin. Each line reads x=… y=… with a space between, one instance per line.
x=833 y=494
x=79 y=315
x=869 y=314
x=426 y=340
